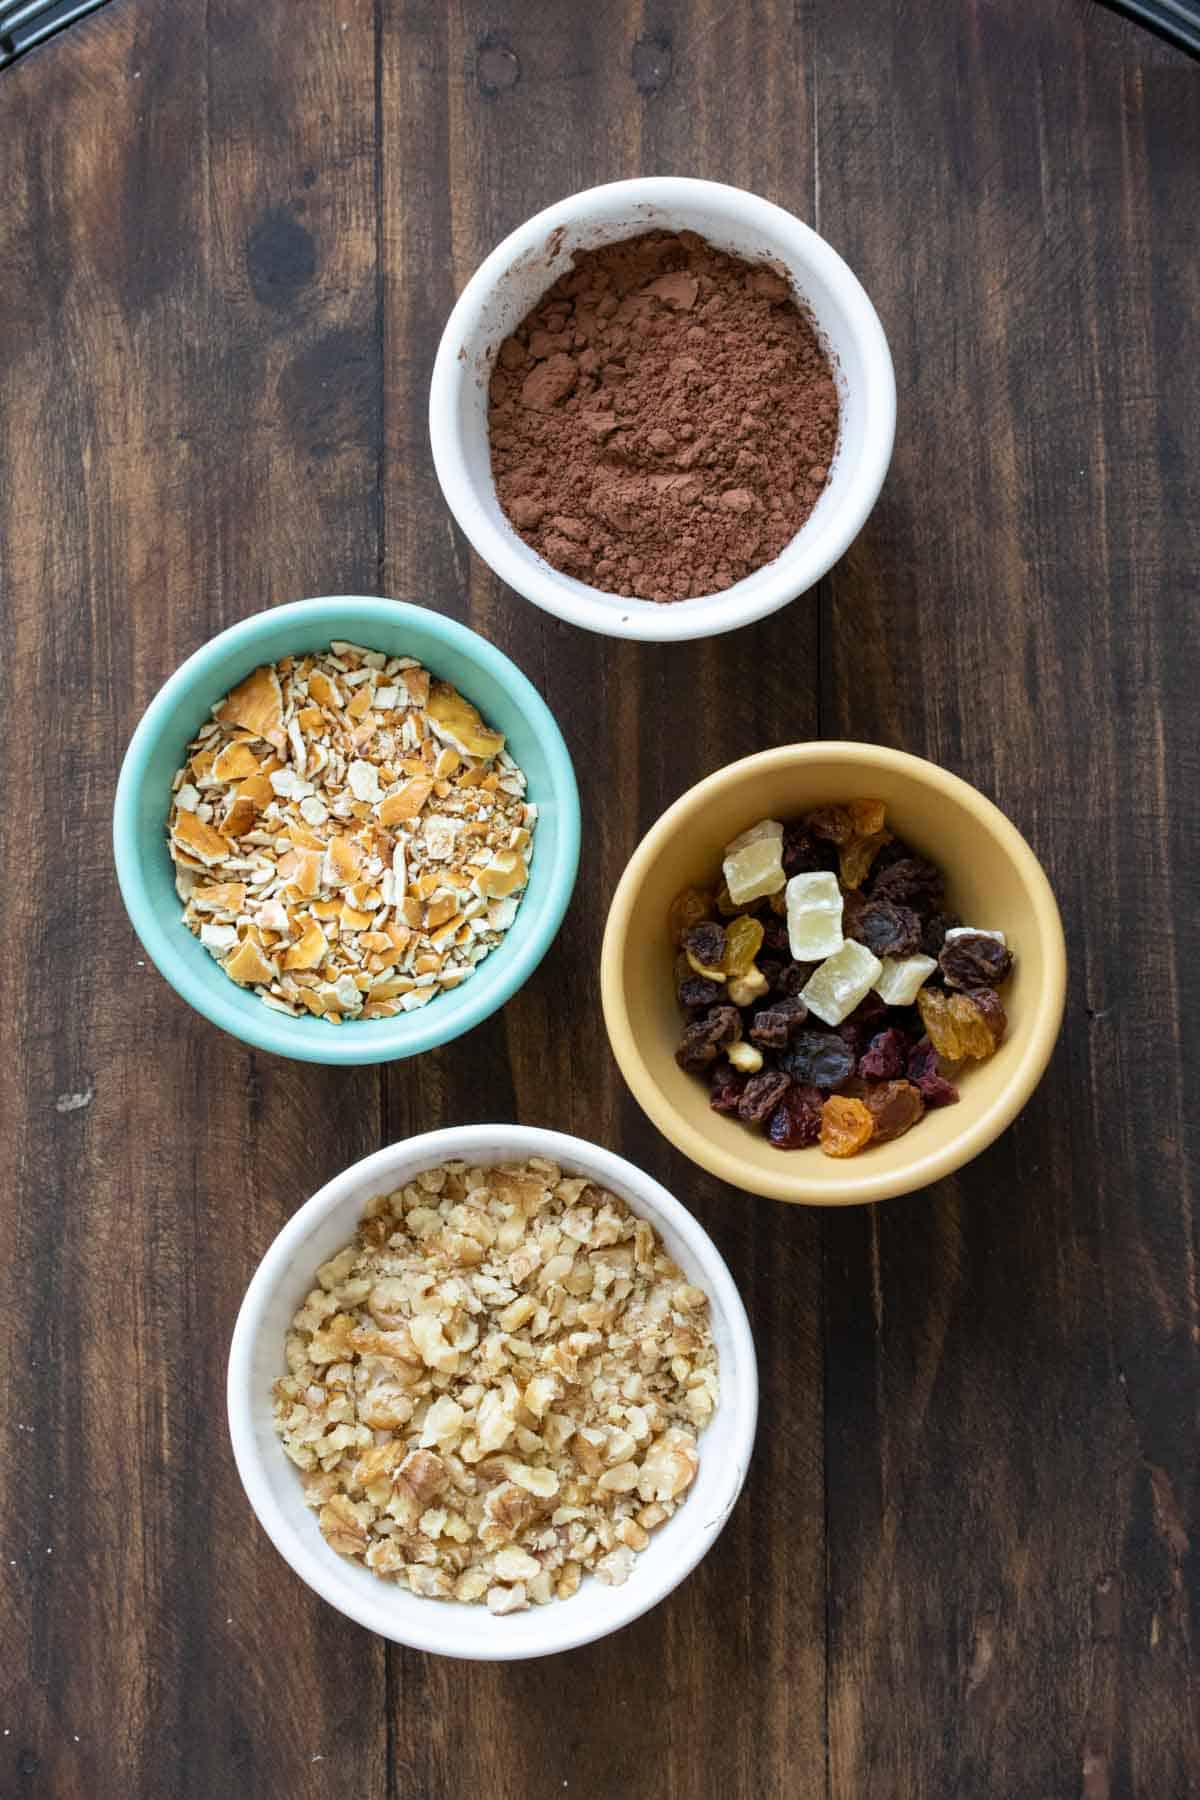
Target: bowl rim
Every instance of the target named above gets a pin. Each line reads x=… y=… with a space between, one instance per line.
x=925 y=1169
x=410 y=1034
x=660 y=1576
x=799 y=565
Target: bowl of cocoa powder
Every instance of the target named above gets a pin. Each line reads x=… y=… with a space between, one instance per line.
x=662 y=408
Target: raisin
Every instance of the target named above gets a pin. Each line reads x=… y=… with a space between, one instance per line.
x=725 y=1087
x=770 y=968
x=934 y=935
x=836 y=824
x=818 y=1059
x=864 y=1023
x=794 y=977
x=896 y=851
x=895 y=1107
x=885 y=1057
x=743 y=941
x=846 y=1126
x=804 y=854
x=774 y=1025
x=775 y=937
x=913 y=882
x=687 y=909
x=698 y=990
x=796 y=1122
x=856 y=857
x=704 y=1037
x=975 y=961
x=704 y=946
x=888 y=930
x=854 y=905
x=761 y=1095
x=962 y=1024
x=925 y=1075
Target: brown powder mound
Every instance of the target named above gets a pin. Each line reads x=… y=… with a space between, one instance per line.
x=663 y=421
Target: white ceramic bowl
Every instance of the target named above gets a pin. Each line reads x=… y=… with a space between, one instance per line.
x=515 y=276
x=256 y=1360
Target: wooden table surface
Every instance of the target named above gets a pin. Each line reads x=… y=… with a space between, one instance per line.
x=965 y=1563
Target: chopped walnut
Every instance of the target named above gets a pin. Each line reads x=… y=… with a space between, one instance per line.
x=488 y=1426
x=349 y=838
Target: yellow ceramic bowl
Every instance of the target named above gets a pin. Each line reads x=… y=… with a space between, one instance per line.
x=993 y=880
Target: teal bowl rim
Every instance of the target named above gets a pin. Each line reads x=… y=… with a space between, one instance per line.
x=410 y=1034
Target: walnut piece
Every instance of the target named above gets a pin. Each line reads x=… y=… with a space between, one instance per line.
x=498 y=1387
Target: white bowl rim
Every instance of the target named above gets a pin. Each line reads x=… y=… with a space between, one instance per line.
x=660 y=1575
x=802 y=563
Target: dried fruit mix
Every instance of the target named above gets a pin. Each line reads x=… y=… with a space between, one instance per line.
x=824 y=985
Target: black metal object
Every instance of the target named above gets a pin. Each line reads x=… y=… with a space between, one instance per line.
x=1176 y=20
x=24 y=23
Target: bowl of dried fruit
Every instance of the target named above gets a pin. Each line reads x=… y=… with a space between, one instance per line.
x=833 y=973
x=492 y=1392
x=346 y=830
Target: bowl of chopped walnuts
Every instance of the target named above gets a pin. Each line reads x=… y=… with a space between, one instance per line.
x=346 y=830
x=833 y=973
x=492 y=1392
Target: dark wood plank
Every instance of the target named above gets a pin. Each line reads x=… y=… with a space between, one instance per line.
x=1011 y=1360
x=190 y=366
x=482 y=126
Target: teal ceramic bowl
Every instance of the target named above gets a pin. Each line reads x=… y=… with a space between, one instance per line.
x=507 y=700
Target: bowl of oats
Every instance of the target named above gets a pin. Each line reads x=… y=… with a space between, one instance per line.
x=346 y=830
x=492 y=1392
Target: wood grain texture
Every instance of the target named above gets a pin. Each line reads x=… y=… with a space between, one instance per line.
x=964 y=1564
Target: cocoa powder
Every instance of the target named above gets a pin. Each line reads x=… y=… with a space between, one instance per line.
x=663 y=421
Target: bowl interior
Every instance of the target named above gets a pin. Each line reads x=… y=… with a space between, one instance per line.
x=257 y=1360
x=993 y=881
x=747 y=227
x=506 y=700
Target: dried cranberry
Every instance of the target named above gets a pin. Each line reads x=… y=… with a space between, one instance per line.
x=725 y=1087
x=975 y=961
x=913 y=882
x=925 y=1075
x=796 y=1122
x=934 y=935
x=706 y=943
x=889 y=930
x=885 y=1057
x=804 y=854
x=698 y=990
x=761 y=1095
x=818 y=1059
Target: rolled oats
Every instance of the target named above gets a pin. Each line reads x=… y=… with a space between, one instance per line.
x=349 y=837
x=498 y=1386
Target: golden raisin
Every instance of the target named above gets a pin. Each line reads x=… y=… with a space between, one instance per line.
x=846 y=1126
x=856 y=857
x=743 y=941
x=690 y=908
x=868 y=817
x=962 y=1024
